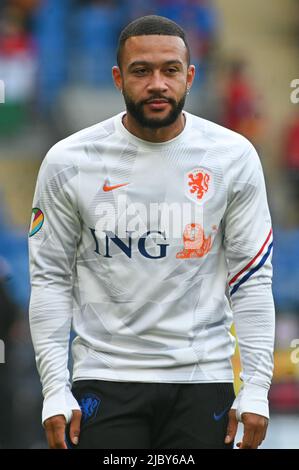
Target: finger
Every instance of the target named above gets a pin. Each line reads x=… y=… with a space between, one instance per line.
x=75 y=426
x=55 y=430
x=255 y=427
x=257 y=439
x=50 y=440
x=59 y=438
x=247 y=440
x=55 y=441
x=231 y=427
x=260 y=435
x=265 y=429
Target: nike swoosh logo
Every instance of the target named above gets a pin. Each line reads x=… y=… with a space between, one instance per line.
x=218 y=417
x=110 y=188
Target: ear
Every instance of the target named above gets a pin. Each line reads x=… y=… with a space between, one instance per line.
x=117 y=78
x=190 y=76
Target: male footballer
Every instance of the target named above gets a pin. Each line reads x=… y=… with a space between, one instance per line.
x=150 y=235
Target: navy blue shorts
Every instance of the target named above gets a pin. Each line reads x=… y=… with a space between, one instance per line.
x=142 y=415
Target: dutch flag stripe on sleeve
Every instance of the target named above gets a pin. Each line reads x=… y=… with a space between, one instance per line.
x=253 y=266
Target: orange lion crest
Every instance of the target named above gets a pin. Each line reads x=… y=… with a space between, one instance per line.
x=199 y=183
x=195 y=243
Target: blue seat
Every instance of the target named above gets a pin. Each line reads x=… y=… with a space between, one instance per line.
x=14 y=249
x=286 y=269
x=96 y=29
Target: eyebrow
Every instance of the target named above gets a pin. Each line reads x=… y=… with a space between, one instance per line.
x=144 y=62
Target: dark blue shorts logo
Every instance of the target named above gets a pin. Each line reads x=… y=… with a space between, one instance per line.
x=217 y=417
x=89 y=405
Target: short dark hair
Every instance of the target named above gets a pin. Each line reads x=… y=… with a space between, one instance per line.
x=147 y=25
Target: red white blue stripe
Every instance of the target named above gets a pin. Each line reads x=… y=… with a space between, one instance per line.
x=253 y=266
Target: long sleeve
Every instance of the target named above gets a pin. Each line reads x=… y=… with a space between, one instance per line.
x=248 y=248
x=53 y=238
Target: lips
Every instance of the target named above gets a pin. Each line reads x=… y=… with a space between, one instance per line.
x=157 y=103
x=158 y=100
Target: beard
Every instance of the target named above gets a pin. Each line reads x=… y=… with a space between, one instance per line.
x=136 y=109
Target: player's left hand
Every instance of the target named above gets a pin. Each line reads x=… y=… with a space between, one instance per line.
x=255 y=428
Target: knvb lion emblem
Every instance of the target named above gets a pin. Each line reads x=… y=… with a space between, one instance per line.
x=195 y=243
x=198 y=185
x=89 y=405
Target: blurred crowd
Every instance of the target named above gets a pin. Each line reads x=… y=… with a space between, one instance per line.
x=47 y=46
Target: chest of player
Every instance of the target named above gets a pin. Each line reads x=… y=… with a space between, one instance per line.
x=150 y=184
x=174 y=201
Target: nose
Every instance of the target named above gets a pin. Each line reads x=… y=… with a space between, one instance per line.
x=157 y=82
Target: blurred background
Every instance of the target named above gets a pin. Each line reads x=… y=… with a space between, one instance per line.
x=55 y=60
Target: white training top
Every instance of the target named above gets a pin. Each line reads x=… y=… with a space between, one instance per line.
x=151 y=250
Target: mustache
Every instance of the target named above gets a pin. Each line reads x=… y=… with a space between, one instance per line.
x=157 y=97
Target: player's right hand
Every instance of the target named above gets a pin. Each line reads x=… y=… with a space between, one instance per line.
x=55 y=430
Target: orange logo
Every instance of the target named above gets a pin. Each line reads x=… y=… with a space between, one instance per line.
x=198 y=183
x=195 y=243
x=110 y=188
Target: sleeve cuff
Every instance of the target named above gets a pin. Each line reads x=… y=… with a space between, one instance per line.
x=59 y=403
x=252 y=398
